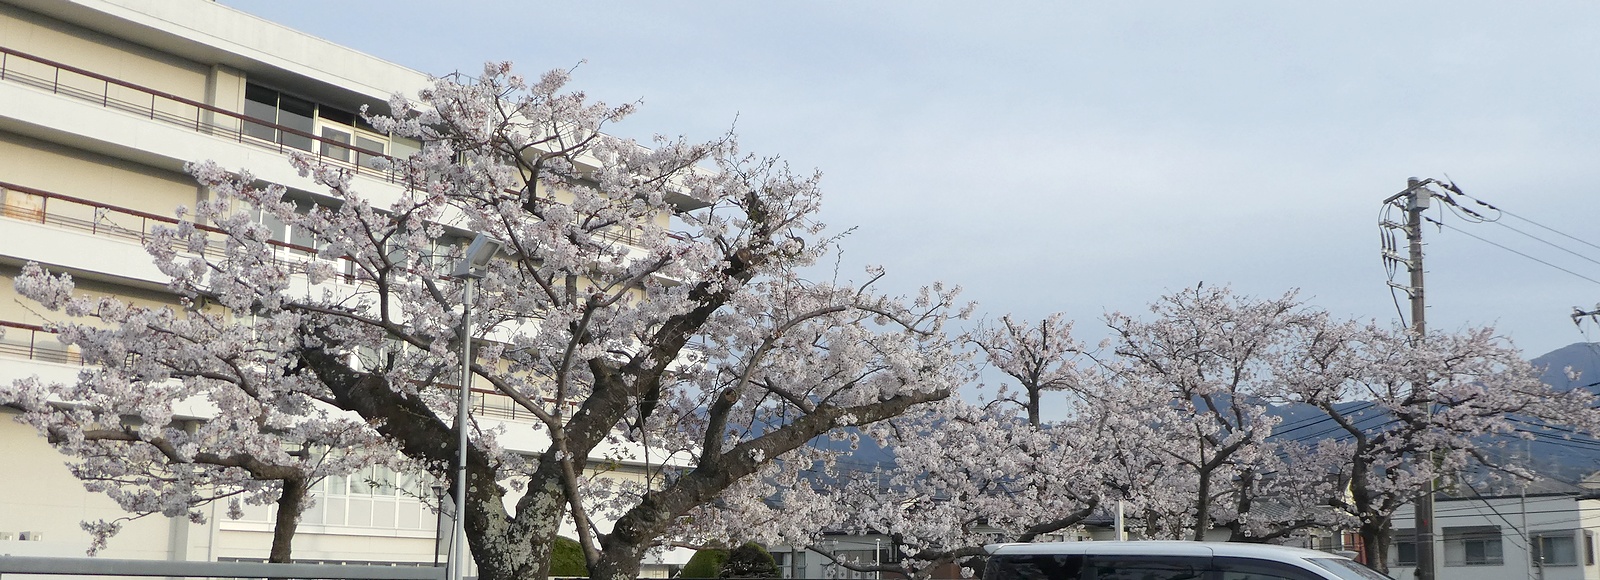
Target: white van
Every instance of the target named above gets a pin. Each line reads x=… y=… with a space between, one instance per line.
x=1167 y=561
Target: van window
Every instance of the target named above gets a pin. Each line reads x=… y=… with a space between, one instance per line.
x=1253 y=569
x=1066 y=567
x=1035 y=567
x=1147 y=568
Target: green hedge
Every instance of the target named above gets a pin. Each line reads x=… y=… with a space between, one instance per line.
x=706 y=563
x=750 y=561
x=566 y=559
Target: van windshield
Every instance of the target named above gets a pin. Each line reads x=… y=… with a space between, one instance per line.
x=1348 y=569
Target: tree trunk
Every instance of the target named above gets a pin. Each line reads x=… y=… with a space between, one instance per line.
x=1202 y=508
x=514 y=548
x=290 y=503
x=1033 y=406
x=1375 y=545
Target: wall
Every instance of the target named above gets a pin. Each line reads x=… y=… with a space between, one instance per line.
x=58 y=41
x=53 y=502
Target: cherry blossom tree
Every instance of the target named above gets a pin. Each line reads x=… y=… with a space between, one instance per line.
x=1212 y=355
x=966 y=475
x=1041 y=358
x=1409 y=409
x=142 y=425
x=703 y=344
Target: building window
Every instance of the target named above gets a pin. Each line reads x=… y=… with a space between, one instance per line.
x=375 y=497
x=338 y=128
x=1555 y=549
x=279 y=109
x=1588 y=548
x=1405 y=544
x=1473 y=546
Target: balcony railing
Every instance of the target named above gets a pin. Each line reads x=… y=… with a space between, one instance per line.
x=88 y=86
x=67 y=80
x=32 y=342
x=103 y=219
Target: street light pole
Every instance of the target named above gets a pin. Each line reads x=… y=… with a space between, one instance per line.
x=438 y=524
x=469 y=270
x=458 y=535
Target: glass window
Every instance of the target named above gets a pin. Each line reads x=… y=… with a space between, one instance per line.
x=1588 y=548
x=1034 y=567
x=332 y=149
x=1348 y=569
x=336 y=115
x=276 y=229
x=1405 y=544
x=1149 y=568
x=366 y=144
x=261 y=103
x=297 y=114
x=401 y=147
x=1252 y=569
x=307 y=119
x=1473 y=546
x=1555 y=549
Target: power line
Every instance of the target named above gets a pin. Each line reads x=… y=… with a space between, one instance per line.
x=1545 y=227
x=1549 y=243
x=1497 y=245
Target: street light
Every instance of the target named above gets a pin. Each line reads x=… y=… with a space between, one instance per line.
x=471 y=267
x=477 y=257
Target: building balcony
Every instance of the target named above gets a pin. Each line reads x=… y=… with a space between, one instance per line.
x=61 y=103
x=106 y=241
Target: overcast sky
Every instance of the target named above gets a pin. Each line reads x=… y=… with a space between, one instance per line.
x=1090 y=157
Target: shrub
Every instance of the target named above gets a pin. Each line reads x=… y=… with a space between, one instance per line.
x=706 y=563
x=566 y=559
x=750 y=561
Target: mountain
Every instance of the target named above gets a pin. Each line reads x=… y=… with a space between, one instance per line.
x=1555 y=454
x=1582 y=358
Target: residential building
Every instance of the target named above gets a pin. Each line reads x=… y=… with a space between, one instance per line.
x=102 y=102
x=1539 y=537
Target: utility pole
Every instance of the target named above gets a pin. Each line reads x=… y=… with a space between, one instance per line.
x=1417 y=199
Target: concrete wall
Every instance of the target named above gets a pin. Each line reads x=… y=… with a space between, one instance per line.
x=73 y=172
x=85 y=49
x=51 y=502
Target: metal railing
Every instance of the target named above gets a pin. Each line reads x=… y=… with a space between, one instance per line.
x=67 y=80
x=96 y=218
x=127 y=224
x=33 y=342
x=88 y=86
x=92 y=87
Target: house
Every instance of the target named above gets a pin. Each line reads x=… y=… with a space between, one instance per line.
x=102 y=102
x=1544 y=536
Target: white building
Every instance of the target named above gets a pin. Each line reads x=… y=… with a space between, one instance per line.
x=1537 y=537
x=101 y=104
